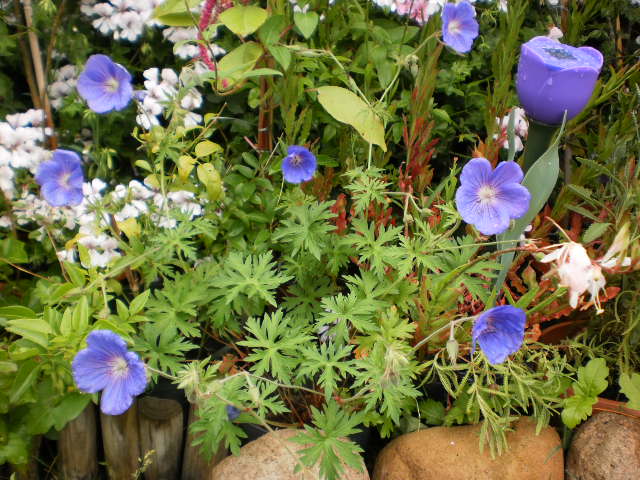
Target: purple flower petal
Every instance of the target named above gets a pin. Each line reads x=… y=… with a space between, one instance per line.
x=61 y=178
x=490 y=199
x=459 y=26
x=553 y=78
x=105 y=85
x=107 y=365
x=299 y=165
x=500 y=332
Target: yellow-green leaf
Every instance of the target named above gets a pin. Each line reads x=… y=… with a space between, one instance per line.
x=243 y=20
x=210 y=177
x=235 y=64
x=206 y=148
x=346 y=107
x=130 y=227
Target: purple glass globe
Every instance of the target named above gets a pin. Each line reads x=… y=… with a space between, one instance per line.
x=553 y=77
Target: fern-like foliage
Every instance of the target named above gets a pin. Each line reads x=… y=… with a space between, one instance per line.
x=274 y=345
x=327 y=445
x=327 y=365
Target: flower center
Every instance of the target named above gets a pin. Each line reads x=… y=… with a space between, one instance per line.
x=112 y=85
x=64 y=179
x=559 y=53
x=296 y=160
x=487 y=194
x=454 y=27
x=119 y=367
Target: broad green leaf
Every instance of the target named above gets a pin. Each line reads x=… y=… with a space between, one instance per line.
x=261 y=72
x=346 y=107
x=281 y=54
x=16 y=311
x=210 y=178
x=69 y=408
x=630 y=386
x=540 y=180
x=595 y=231
x=206 y=148
x=592 y=378
x=34 y=329
x=432 y=412
x=26 y=376
x=174 y=13
x=75 y=273
x=185 y=166
x=270 y=32
x=130 y=227
x=12 y=250
x=235 y=64
x=306 y=22
x=576 y=409
x=243 y=20
x=138 y=303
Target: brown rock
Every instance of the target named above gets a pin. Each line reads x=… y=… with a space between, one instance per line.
x=452 y=453
x=271 y=457
x=605 y=447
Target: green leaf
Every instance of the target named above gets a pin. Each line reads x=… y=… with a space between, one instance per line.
x=272 y=29
x=138 y=303
x=16 y=311
x=576 y=409
x=243 y=20
x=540 y=180
x=595 y=231
x=281 y=54
x=69 y=408
x=346 y=107
x=13 y=250
x=432 y=412
x=592 y=378
x=174 y=13
x=34 y=329
x=234 y=65
x=211 y=180
x=26 y=376
x=206 y=148
x=630 y=386
x=306 y=22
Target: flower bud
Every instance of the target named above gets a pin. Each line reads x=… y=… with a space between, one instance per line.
x=554 y=78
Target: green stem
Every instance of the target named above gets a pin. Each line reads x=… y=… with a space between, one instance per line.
x=538 y=141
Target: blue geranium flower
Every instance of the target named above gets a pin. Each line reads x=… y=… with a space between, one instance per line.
x=107 y=365
x=299 y=165
x=459 y=26
x=232 y=413
x=500 y=332
x=488 y=198
x=105 y=85
x=61 y=178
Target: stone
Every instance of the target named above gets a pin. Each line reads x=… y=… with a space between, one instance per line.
x=271 y=457
x=605 y=447
x=453 y=453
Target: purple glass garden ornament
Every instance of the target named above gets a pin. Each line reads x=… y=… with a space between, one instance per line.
x=105 y=85
x=299 y=165
x=553 y=77
x=107 y=365
x=61 y=179
x=459 y=26
x=489 y=198
x=500 y=332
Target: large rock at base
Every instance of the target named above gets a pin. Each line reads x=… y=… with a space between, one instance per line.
x=453 y=453
x=605 y=447
x=270 y=458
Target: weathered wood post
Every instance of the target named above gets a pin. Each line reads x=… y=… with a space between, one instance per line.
x=78 y=447
x=194 y=465
x=161 y=429
x=121 y=443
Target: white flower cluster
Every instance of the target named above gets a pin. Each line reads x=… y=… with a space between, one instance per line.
x=21 y=136
x=161 y=88
x=521 y=125
x=65 y=80
x=131 y=201
x=127 y=20
x=421 y=10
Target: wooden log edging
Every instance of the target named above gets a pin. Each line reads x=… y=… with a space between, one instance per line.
x=160 y=422
x=194 y=465
x=121 y=442
x=78 y=447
